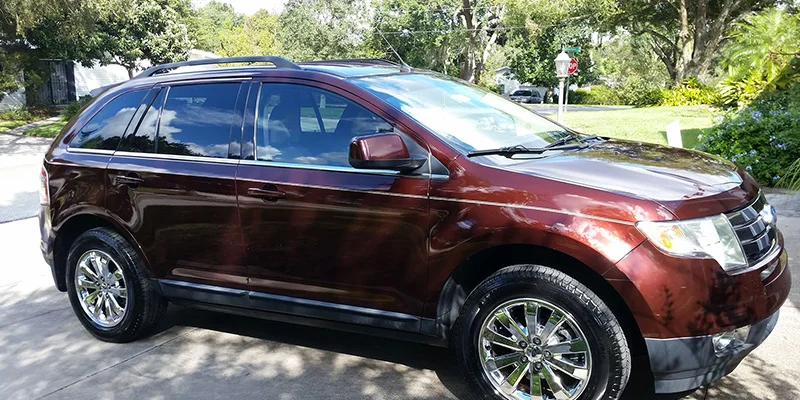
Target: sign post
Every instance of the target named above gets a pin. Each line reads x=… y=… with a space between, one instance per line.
x=573 y=67
x=562 y=71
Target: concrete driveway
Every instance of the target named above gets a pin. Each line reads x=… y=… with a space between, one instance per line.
x=46 y=353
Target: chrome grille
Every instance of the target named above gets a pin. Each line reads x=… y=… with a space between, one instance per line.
x=756 y=235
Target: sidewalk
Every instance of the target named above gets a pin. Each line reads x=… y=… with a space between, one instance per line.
x=17 y=149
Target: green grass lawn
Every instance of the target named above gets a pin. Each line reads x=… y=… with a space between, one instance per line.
x=50 y=130
x=10 y=124
x=647 y=124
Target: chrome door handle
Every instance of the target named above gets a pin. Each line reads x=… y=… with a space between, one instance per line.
x=266 y=194
x=128 y=180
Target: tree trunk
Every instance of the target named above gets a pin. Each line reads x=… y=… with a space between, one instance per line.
x=130 y=72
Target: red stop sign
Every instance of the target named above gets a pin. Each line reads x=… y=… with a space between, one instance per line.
x=573 y=66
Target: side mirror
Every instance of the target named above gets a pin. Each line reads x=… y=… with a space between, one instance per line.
x=383 y=151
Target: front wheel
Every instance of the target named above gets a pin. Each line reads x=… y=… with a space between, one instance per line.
x=532 y=332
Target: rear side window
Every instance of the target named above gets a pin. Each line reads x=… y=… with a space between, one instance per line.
x=144 y=140
x=196 y=120
x=106 y=128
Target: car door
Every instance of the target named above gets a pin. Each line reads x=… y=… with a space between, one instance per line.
x=172 y=183
x=315 y=228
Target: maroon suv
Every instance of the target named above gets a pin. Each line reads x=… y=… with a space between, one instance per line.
x=367 y=196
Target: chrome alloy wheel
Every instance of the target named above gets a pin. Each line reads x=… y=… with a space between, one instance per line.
x=101 y=288
x=531 y=349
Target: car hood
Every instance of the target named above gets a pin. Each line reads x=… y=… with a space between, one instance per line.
x=663 y=174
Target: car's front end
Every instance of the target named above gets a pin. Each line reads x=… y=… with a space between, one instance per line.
x=686 y=241
x=710 y=289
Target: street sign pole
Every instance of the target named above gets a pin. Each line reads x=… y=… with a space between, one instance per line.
x=566 y=96
x=560 y=118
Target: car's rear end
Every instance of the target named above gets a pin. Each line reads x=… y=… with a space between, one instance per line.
x=72 y=181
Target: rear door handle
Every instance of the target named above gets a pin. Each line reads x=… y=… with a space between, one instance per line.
x=131 y=180
x=267 y=194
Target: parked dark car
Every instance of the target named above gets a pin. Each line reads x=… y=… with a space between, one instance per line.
x=529 y=96
x=367 y=196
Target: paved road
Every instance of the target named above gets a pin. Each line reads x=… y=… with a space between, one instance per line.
x=552 y=108
x=20 y=162
x=45 y=352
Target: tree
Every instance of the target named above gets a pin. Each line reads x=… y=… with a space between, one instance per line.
x=543 y=28
x=258 y=35
x=32 y=30
x=153 y=30
x=445 y=35
x=763 y=44
x=212 y=22
x=686 y=34
x=325 y=29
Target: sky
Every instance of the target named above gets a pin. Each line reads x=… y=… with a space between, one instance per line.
x=248 y=6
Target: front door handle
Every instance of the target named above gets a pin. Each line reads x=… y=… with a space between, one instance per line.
x=131 y=180
x=268 y=194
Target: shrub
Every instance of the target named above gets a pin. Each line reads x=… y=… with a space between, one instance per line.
x=689 y=93
x=763 y=138
x=73 y=108
x=19 y=114
x=630 y=94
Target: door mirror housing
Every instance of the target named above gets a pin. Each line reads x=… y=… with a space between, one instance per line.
x=383 y=151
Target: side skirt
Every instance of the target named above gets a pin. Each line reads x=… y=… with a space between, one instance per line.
x=303 y=311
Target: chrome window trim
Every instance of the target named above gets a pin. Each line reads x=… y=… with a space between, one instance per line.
x=337 y=168
x=174 y=157
x=88 y=151
x=317 y=167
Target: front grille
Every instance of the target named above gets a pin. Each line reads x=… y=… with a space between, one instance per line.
x=756 y=236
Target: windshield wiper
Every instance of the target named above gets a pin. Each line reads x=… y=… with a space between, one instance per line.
x=519 y=149
x=568 y=137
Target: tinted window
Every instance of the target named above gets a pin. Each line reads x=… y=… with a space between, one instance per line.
x=521 y=93
x=196 y=120
x=305 y=125
x=106 y=128
x=144 y=140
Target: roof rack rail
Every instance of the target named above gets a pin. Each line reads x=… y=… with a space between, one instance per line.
x=355 y=61
x=279 y=62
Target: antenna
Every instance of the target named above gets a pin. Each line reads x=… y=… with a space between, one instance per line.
x=403 y=66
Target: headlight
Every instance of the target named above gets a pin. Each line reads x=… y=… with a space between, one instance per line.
x=711 y=237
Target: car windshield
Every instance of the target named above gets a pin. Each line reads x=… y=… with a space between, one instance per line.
x=464 y=115
x=521 y=93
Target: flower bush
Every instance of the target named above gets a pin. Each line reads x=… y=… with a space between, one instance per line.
x=763 y=138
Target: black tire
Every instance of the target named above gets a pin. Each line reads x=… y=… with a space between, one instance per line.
x=145 y=306
x=610 y=355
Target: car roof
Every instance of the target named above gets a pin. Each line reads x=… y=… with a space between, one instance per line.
x=206 y=69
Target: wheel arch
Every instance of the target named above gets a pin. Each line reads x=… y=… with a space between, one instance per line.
x=69 y=229
x=475 y=269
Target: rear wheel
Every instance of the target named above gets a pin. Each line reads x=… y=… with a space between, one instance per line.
x=532 y=332
x=109 y=288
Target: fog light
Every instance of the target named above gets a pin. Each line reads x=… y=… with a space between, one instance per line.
x=730 y=340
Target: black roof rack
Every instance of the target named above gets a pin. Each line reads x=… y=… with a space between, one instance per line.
x=360 y=62
x=354 y=61
x=278 y=62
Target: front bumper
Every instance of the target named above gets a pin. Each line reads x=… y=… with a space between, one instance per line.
x=683 y=364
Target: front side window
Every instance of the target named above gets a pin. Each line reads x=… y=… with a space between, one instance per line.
x=463 y=115
x=305 y=125
x=106 y=128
